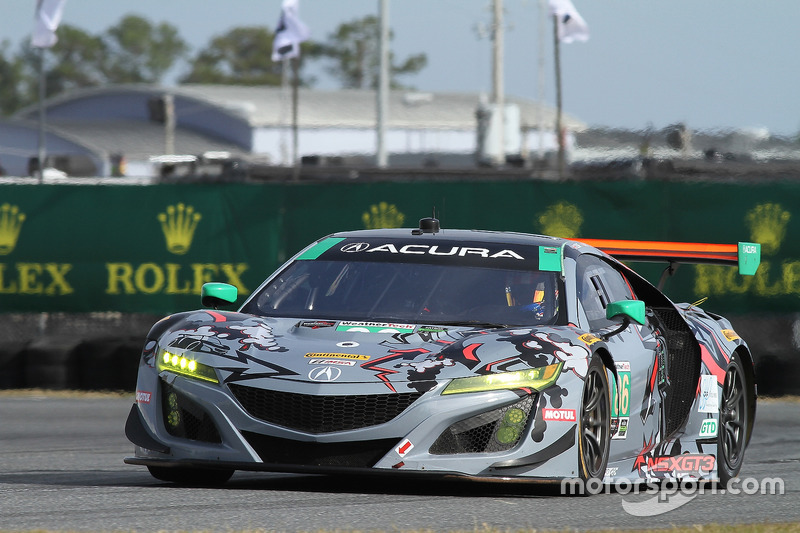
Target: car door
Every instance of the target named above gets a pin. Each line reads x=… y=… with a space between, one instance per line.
x=636 y=351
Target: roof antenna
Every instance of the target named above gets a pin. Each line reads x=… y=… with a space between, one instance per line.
x=427 y=225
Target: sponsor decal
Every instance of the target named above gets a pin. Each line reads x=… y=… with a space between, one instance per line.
x=683 y=465
x=709 y=395
x=339 y=362
x=621 y=390
x=405 y=447
x=316 y=324
x=730 y=334
x=354 y=247
x=143 y=396
x=611 y=472
x=325 y=373
x=428 y=249
x=709 y=428
x=374 y=327
x=347 y=344
x=589 y=339
x=619 y=427
x=337 y=355
x=559 y=415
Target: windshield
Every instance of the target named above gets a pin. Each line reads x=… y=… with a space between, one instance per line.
x=414 y=293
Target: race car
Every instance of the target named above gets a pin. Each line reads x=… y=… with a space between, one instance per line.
x=447 y=352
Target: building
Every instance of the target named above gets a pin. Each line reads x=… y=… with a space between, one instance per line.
x=118 y=130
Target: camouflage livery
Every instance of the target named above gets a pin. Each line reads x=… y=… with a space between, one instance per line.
x=586 y=386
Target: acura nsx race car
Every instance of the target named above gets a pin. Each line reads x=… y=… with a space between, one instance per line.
x=451 y=352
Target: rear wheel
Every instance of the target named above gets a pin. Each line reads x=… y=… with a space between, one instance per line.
x=734 y=417
x=208 y=477
x=595 y=423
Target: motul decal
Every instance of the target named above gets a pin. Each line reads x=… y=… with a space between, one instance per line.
x=143 y=397
x=559 y=415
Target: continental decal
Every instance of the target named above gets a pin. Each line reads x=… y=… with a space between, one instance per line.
x=590 y=339
x=171 y=278
x=338 y=355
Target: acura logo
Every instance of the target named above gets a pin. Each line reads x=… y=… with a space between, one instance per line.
x=355 y=247
x=325 y=373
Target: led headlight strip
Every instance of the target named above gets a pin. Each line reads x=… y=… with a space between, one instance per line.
x=185 y=366
x=535 y=378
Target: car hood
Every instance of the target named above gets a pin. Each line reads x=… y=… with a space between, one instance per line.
x=400 y=356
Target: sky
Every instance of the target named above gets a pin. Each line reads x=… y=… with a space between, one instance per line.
x=712 y=64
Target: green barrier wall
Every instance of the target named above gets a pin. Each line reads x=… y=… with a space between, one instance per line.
x=148 y=249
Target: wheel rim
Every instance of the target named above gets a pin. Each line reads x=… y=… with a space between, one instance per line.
x=732 y=416
x=594 y=425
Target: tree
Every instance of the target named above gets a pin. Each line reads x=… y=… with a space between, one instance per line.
x=11 y=81
x=353 y=48
x=75 y=62
x=141 y=52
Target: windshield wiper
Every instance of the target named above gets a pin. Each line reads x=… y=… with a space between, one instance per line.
x=470 y=323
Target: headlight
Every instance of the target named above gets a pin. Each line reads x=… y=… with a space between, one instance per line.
x=536 y=378
x=185 y=365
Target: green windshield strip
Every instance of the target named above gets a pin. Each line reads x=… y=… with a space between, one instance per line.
x=550 y=258
x=320 y=248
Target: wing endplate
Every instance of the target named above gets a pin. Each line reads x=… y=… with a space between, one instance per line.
x=746 y=255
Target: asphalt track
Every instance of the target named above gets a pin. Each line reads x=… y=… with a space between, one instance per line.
x=61 y=469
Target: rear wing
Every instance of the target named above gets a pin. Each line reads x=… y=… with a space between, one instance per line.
x=747 y=255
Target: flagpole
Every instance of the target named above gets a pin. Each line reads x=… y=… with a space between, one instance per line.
x=295 y=131
x=383 y=84
x=42 y=155
x=559 y=138
x=497 y=84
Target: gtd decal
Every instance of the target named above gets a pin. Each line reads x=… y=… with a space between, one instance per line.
x=559 y=415
x=709 y=428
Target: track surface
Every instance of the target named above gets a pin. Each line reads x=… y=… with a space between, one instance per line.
x=61 y=469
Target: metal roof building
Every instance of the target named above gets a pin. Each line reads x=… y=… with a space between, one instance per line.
x=89 y=129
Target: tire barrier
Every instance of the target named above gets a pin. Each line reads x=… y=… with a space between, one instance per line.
x=108 y=362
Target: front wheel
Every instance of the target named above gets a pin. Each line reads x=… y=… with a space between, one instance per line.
x=734 y=417
x=595 y=423
x=205 y=477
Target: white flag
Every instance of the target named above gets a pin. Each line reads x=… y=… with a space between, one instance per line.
x=290 y=32
x=46 y=21
x=571 y=26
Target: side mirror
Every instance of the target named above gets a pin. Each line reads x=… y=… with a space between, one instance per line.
x=633 y=309
x=218 y=294
x=628 y=310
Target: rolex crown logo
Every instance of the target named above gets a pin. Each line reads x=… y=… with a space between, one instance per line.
x=10 y=225
x=178 y=225
x=768 y=226
x=561 y=220
x=383 y=215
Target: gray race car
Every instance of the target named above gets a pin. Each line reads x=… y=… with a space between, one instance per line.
x=450 y=352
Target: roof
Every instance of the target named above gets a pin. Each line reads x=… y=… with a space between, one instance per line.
x=267 y=106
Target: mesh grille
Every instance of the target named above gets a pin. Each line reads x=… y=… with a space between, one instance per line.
x=493 y=431
x=683 y=368
x=321 y=414
x=355 y=454
x=184 y=418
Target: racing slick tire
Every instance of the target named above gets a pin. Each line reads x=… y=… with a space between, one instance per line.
x=204 y=477
x=594 y=423
x=734 y=418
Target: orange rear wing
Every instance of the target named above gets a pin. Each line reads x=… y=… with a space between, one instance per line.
x=746 y=255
